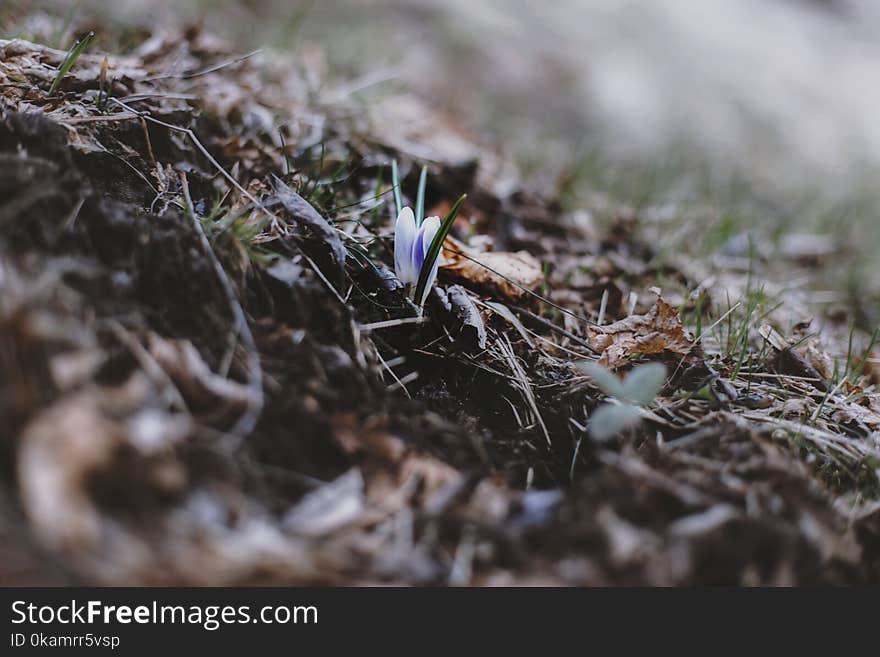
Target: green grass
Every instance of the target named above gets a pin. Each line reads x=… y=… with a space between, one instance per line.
x=241 y=230
x=420 y=197
x=73 y=54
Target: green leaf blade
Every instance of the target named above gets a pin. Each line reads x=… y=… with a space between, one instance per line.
x=434 y=250
x=395 y=186
x=73 y=54
x=420 y=197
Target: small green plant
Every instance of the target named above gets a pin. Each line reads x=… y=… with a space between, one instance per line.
x=73 y=54
x=242 y=230
x=639 y=388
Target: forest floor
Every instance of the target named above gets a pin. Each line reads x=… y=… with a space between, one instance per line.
x=210 y=375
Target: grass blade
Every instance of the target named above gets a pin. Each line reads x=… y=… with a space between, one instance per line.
x=395 y=185
x=73 y=54
x=420 y=197
x=436 y=245
x=284 y=152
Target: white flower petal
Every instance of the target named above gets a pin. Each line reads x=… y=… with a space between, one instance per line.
x=404 y=236
x=430 y=226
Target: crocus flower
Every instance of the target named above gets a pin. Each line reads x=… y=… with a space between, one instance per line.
x=411 y=244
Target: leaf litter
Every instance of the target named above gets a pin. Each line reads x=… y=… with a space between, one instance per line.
x=189 y=236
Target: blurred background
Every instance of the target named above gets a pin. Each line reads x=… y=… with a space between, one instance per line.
x=753 y=115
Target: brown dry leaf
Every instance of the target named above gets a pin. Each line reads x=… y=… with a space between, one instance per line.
x=868 y=416
x=872 y=368
x=791 y=361
x=60 y=449
x=817 y=355
x=655 y=332
x=502 y=271
x=66 y=447
x=328 y=508
x=407 y=125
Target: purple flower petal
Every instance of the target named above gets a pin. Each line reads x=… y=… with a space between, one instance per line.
x=417 y=256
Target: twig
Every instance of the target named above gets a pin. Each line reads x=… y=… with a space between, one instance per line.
x=603 y=304
x=401 y=383
x=204 y=151
x=122 y=116
x=74 y=213
x=397 y=381
x=553 y=327
x=391 y=322
x=173 y=396
x=248 y=420
x=210 y=69
x=525 y=384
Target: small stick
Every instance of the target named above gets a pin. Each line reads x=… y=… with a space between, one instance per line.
x=401 y=383
x=391 y=322
x=122 y=116
x=248 y=420
x=558 y=329
x=602 y=305
x=210 y=69
x=398 y=383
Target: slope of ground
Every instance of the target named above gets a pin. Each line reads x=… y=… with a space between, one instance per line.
x=211 y=376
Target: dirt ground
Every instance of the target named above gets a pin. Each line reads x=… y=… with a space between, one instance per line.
x=209 y=374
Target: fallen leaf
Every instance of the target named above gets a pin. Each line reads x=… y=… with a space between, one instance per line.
x=790 y=361
x=871 y=368
x=469 y=328
x=303 y=213
x=501 y=271
x=326 y=509
x=653 y=333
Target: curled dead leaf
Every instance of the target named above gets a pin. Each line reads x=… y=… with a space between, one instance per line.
x=468 y=326
x=304 y=214
x=658 y=330
x=503 y=272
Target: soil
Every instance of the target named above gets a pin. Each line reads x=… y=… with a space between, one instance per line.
x=203 y=384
